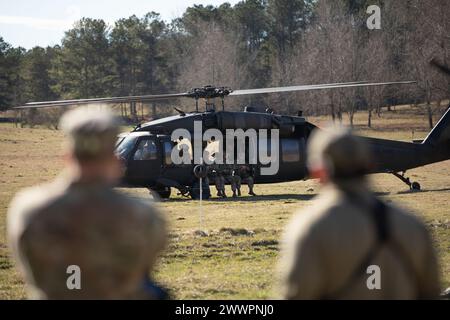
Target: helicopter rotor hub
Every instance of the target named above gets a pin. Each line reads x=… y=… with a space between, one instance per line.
x=209 y=92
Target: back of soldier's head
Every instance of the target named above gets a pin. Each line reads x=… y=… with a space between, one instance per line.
x=91 y=133
x=342 y=155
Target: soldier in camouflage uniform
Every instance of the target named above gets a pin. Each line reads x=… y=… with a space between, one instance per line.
x=219 y=180
x=79 y=219
x=236 y=184
x=244 y=173
x=227 y=171
x=220 y=184
x=349 y=244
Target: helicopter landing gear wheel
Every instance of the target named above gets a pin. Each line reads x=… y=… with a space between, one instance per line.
x=200 y=172
x=413 y=186
x=195 y=191
x=162 y=192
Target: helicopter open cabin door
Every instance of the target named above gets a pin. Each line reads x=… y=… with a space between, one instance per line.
x=144 y=163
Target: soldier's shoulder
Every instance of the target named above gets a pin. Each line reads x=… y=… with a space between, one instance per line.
x=137 y=206
x=32 y=200
x=307 y=221
x=327 y=213
x=319 y=208
x=405 y=220
x=37 y=196
x=132 y=201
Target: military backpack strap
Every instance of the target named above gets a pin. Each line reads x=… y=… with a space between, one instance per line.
x=379 y=217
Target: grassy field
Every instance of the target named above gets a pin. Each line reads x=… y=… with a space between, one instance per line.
x=231 y=250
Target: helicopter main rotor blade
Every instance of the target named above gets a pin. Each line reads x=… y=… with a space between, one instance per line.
x=63 y=103
x=316 y=87
x=441 y=66
x=204 y=92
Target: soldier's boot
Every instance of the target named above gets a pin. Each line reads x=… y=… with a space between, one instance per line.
x=250 y=187
x=233 y=188
x=238 y=185
x=224 y=195
x=234 y=192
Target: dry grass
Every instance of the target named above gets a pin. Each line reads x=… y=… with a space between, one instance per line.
x=235 y=255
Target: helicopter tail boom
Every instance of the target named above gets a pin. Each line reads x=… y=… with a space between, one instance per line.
x=440 y=134
x=399 y=156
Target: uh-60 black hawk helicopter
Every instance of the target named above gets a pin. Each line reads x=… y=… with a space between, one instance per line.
x=159 y=173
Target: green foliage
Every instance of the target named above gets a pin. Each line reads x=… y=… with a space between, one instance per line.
x=255 y=43
x=194 y=18
x=143 y=55
x=4 y=81
x=36 y=74
x=82 y=68
x=288 y=18
x=10 y=77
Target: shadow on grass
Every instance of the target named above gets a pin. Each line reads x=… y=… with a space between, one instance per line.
x=382 y=193
x=292 y=196
x=423 y=191
x=281 y=197
x=271 y=197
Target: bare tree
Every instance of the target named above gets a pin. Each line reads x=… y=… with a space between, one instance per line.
x=423 y=26
x=213 y=59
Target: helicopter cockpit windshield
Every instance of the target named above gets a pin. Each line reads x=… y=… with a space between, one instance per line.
x=125 y=145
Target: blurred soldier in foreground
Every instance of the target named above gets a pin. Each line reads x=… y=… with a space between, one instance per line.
x=349 y=244
x=79 y=220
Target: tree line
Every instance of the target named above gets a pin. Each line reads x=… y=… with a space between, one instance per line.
x=255 y=43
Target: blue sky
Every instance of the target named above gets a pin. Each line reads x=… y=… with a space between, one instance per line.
x=30 y=23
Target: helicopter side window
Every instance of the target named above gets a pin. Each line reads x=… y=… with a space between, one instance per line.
x=124 y=146
x=168 y=145
x=290 y=150
x=146 y=150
